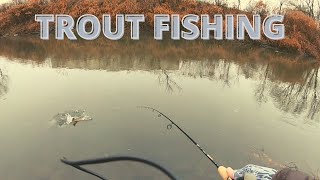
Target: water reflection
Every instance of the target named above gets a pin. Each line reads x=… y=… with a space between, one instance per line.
x=213 y=90
x=261 y=87
x=168 y=82
x=291 y=85
x=297 y=97
x=4 y=80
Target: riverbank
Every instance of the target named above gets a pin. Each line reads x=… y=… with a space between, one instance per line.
x=302 y=32
x=33 y=48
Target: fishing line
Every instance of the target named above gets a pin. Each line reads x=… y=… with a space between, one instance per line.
x=78 y=164
x=169 y=126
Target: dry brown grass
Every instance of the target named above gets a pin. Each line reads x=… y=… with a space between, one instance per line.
x=302 y=32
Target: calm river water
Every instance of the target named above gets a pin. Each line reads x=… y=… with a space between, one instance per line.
x=241 y=107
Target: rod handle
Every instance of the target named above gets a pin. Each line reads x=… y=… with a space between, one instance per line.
x=223 y=173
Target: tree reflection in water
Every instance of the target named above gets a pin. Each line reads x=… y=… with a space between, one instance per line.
x=168 y=82
x=299 y=97
x=4 y=79
x=291 y=84
x=261 y=87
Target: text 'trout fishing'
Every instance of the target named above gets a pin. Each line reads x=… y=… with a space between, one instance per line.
x=188 y=27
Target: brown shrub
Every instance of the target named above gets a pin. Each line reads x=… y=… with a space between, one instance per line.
x=302 y=32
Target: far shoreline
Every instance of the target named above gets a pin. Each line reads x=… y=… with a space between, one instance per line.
x=19 y=19
x=244 y=48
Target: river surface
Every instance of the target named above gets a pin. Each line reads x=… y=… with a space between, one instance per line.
x=240 y=108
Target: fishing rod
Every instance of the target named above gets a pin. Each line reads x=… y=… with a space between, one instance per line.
x=221 y=169
x=77 y=164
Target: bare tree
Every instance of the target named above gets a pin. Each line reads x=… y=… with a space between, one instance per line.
x=221 y=2
x=318 y=11
x=257 y=7
x=15 y=2
x=310 y=6
x=306 y=6
x=282 y=3
x=298 y=5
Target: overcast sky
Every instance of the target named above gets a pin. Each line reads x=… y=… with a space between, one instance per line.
x=4 y=1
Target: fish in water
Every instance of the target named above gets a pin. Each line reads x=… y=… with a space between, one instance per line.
x=71 y=117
